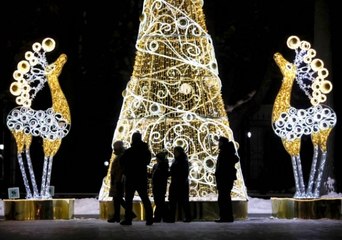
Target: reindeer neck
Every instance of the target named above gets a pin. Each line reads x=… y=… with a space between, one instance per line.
x=59 y=102
x=283 y=100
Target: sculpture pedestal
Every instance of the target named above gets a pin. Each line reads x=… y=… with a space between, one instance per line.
x=201 y=210
x=307 y=208
x=49 y=209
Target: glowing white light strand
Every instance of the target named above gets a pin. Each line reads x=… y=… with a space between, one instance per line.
x=32 y=176
x=320 y=174
x=298 y=192
x=178 y=30
x=46 y=193
x=38 y=123
x=312 y=172
x=44 y=176
x=23 y=173
x=298 y=122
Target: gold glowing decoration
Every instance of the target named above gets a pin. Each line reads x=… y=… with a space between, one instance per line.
x=290 y=124
x=51 y=124
x=174 y=94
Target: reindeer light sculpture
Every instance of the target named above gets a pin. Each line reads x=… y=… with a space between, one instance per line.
x=290 y=124
x=51 y=124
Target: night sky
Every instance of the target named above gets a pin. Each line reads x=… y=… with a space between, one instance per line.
x=99 y=40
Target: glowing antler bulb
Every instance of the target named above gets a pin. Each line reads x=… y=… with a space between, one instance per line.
x=15 y=89
x=305 y=45
x=36 y=47
x=323 y=73
x=323 y=98
x=293 y=42
x=27 y=103
x=17 y=75
x=33 y=61
x=307 y=59
x=311 y=53
x=326 y=87
x=29 y=55
x=19 y=100
x=48 y=44
x=314 y=101
x=23 y=66
x=317 y=64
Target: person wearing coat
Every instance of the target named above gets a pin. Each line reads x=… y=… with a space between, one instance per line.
x=116 y=182
x=179 y=186
x=160 y=175
x=134 y=162
x=225 y=175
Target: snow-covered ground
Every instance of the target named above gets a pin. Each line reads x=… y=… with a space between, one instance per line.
x=90 y=206
x=259 y=205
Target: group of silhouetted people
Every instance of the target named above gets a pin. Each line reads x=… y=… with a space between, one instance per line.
x=129 y=174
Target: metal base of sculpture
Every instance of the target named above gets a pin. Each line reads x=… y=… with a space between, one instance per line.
x=49 y=209
x=290 y=208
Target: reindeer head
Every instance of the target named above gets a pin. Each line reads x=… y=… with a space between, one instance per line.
x=55 y=68
x=287 y=69
x=309 y=72
x=31 y=73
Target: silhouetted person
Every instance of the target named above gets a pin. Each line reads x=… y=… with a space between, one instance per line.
x=116 y=184
x=160 y=174
x=179 y=186
x=134 y=161
x=225 y=174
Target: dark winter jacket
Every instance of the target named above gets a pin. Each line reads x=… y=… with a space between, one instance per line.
x=135 y=160
x=179 y=172
x=225 y=172
x=160 y=174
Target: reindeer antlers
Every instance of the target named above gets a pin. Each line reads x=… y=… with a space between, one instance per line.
x=30 y=75
x=311 y=74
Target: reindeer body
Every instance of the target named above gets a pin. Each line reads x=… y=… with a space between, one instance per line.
x=51 y=125
x=290 y=124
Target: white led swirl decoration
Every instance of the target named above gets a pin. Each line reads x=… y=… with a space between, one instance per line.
x=51 y=124
x=290 y=124
x=174 y=95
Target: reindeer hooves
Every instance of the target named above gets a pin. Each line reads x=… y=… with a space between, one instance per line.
x=305 y=195
x=299 y=195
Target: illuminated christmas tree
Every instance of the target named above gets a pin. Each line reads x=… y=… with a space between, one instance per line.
x=174 y=94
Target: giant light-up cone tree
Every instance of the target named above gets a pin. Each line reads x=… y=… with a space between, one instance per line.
x=174 y=94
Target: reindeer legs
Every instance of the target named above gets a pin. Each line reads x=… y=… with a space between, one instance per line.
x=45 y=169
x=33 y=178
x=298 y=175
x=23 y=142
x=23 y=173
x=48 y=178
x=309 y=191
x=50 y=149
x=319 y=175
